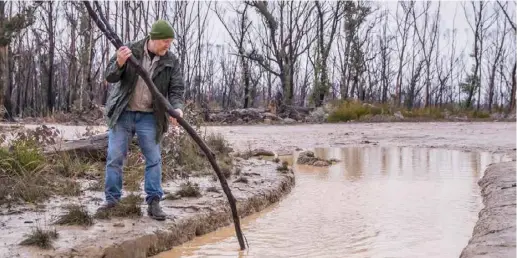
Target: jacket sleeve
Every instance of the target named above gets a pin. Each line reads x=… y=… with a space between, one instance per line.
x=113 y=72
x=176 y=87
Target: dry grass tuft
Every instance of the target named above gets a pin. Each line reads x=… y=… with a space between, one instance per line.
x=75 y=215
x=41 y=238
x=127 y=207
x=284 y=168
x=189 y=189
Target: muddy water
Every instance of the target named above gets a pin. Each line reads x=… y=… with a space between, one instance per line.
x=377 y=202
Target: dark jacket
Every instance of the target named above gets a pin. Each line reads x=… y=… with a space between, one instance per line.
x=167 y=77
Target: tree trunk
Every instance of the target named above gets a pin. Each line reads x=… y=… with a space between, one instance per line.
x=50 y=78
x=3 y=60
x=512 y=97
x=246 y=77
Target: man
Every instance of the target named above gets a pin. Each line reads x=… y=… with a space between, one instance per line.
x=132 y=109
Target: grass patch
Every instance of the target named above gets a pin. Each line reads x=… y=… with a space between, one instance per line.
x=189 y=189
x=429 y=112
x=226 y=166
x=96 y=185
x=66 y=187
x=479 y=114
x=69 y=165
x=352 y=110
x=284 y=168
x=218 y=144
x=41 y=238
x=29 y=175
x=23 y=173
x=191 y=159
x=342 y=111
x=190 y=156
x=75 y=215
x=127 y=207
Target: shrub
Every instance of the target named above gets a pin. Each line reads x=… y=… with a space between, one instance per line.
x=351 y=110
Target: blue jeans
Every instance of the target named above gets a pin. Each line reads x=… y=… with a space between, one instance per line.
x=144 y=125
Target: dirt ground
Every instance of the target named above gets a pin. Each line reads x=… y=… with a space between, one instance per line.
x=469 y=136
x=257 y=186
x=497 y=137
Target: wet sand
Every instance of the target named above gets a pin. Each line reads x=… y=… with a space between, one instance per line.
x=497 y=137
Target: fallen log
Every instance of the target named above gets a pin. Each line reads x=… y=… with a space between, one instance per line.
x=91 y=148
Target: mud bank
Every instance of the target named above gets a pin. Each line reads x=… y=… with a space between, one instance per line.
x=142 y=236
x=494 y=233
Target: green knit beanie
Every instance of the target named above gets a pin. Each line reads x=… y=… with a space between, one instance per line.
x=161 y=30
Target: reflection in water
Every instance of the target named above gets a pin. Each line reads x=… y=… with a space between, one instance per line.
x=377 y=202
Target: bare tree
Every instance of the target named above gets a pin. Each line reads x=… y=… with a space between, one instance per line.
x=385 y=56
x=497 y=48
x=238 y=37
x=287 y=28
x=325 y=26
x=512 y=24
x=404 y=23
x=427 y=49
x=9 y=28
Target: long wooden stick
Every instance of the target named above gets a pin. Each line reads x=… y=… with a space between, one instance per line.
x=115 y=40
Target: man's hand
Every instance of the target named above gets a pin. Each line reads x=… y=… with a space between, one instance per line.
x=174 y=123
x=123 y=53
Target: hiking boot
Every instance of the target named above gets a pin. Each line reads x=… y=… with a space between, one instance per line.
x=155 y=211
x=107 y=206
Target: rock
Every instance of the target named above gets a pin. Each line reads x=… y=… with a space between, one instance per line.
x=119 y=225
x=257 y=115
x=398 y=115
x=289 y=120
x=461 y=118
x=262 y=152
x=320 y=163
x=317 y=116
x=308 y=158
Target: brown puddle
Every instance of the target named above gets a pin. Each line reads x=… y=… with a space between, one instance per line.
x=376 y=202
